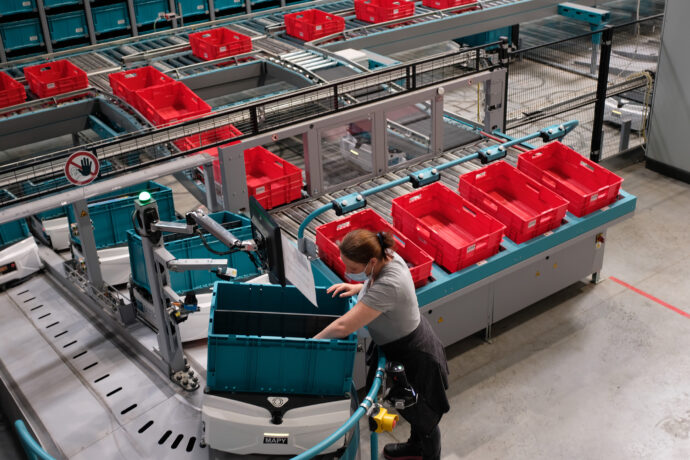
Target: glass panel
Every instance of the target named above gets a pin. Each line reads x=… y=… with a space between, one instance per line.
x=408 y=133
x=346 y=152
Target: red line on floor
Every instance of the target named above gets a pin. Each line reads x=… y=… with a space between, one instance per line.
x=650 y=297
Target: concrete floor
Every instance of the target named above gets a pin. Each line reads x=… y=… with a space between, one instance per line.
x=594 y=371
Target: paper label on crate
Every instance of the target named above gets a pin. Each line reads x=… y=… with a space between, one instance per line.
x=200 y=7
x=33 y=38
x=605 y=208
x=395 y=11
x=50 y=85
x=120 y=21
x=319 y=27
x=549 y=233
x=298 y=270
x=532 y=223
x=480 y=263
x=223 y=49
x=79 y=30
x=594 y=197
x=470 y=248
x=26 y=3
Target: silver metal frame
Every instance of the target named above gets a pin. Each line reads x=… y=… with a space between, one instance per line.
x=232 y=156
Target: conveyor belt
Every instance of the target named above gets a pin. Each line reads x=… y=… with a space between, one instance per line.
x=290 y=217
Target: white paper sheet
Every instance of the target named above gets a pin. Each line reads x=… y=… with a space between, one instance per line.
x=298 y=270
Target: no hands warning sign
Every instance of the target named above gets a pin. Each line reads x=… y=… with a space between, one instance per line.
x=81 y=168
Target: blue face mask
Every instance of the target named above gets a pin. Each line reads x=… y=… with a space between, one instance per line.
x=362 y=276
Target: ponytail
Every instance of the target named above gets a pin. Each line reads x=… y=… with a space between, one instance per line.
x=363 y=245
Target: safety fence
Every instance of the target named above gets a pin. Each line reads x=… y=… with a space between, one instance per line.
x=604 y=79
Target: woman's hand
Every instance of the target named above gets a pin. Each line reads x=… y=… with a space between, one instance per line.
x=344 y=289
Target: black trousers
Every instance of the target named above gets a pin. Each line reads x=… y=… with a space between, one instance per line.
x=424 y=431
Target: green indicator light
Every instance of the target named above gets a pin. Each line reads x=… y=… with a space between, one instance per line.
x=144 y=197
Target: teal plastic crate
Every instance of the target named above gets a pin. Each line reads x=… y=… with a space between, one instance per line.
x=146 y=12
x=21 y=34
x=186 y=247
x=16 y=6
x=67 y=26
x=110 y=17
x=11 y=232
x=227 y=4
x=192 y=7
x=54 y=3
x=111 y=213
x=260 y=341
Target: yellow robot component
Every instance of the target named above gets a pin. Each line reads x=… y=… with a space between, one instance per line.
x=384 y=420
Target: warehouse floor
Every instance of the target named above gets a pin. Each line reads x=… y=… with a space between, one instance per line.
x=594 y=371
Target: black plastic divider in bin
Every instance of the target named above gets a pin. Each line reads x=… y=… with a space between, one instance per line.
x=271 y=324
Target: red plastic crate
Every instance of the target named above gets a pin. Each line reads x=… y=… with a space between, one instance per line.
x=218 y=43
x=270 y=179
x=170 y=102
x=445 y=225
x=11 y=91
x=329 y=235
x=126 y=84
x=526 y=207
x=312 y=24
x=376 y=11
x=56 y=77
x=585 y=184
x=208 y=137
x=443 y=4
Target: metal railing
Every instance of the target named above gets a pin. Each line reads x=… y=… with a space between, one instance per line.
x=148 y=147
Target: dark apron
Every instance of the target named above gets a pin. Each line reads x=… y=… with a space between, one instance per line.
x=424 y=358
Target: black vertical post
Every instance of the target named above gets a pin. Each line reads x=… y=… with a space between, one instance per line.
x=254 y=119
x=335 y=98
x=414 y=77
x=504 y=62
x=408 y=81
x=600 y=104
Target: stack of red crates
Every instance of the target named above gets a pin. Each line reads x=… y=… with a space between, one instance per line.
x=586 y=185
x=376 y=11
x=170 y=103
x=219 y=43
x=312 y=24
x=11 y=91
x=443 y=4
x=526 y=207
x=329 y=235
x=53 y=78
x=270 y=179
x=126 y=84
x=445 y=225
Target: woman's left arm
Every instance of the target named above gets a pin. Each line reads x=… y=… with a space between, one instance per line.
x=358 y=317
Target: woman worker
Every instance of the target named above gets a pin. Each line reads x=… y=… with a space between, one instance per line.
x=387 y=306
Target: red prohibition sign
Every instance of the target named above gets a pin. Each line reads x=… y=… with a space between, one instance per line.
x=81 y=168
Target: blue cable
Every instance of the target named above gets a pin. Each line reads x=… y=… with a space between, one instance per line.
x=354 y=418
x=33 y=450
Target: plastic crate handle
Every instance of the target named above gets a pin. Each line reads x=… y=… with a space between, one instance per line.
x=587 y=166
x=469 y=211
x=345 y=224
x=532 y=187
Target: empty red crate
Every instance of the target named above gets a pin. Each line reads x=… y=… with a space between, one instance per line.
x=585 y=184
x=11 y=91
x=270 y=179
x=382 y=10
x=443 y=4
x=526 y=207
x=53 y=78
x=126 y=84
x=312 y=24
x=445 y=225
x=329 y=235
x=170 y=102
x=219 y=43
x=210 y=136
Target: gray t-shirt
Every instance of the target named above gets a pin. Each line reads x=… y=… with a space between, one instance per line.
x=394 y=296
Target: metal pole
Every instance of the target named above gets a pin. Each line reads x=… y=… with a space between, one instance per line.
x=88 y=244
x=132 y=18
x=212 y=10
x=89 y=22
x=625 y=136
x=3 y=56
x=44 y=26
x=209 y=180
x=503 y=58
x=602 y=83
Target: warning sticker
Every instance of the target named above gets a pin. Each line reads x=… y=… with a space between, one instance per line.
x=81 y=168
